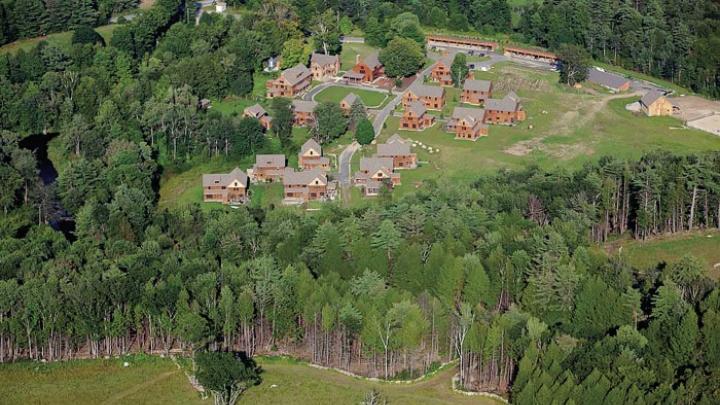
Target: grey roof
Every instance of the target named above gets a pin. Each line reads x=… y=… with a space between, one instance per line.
x=508 y=103
x=372 y=60
x=350 y=98
x=395 y=138
x=310 y=144
x=417 y=107
x=269 y=161
x=255 y=110
x=302 y=178
x=225 y=179
x=474 y=114
x=296 y=74
x=477 y=85
x=606 y=79
x=651 y=97
x=393 y=149
x=323 y=60
x=422 y=90
x=373 y=164
x=353 y=75
x=304 y=106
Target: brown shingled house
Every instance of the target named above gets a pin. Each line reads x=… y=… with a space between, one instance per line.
x=441 y=71
x=504 y=111
x=304 y=186
x=467 y=123
x=347 y=102
x=310 y=156
x=433 y=97
x=291 y=82
x=303 y=112
x=369 y=67
x=256 y=111
x=416 y=118
x=324 y=66
x=476 y=91
x=610 y=81
x=268 y=168
x=226 y=188
x=399 y=151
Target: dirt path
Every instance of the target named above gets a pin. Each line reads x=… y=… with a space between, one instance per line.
x=117 y=398
x=567 y=122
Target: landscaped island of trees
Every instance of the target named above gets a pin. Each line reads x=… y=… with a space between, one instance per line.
x=504 y=274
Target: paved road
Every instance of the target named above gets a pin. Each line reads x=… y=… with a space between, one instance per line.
x=344 y=162
x=352 y=40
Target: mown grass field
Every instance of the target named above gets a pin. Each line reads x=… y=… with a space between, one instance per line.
x=335 y=94
x=666 y=250
x=565 y=129
x=151 y=380
x=60 y=39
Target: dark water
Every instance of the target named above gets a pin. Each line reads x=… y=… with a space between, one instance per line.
x=60 y=219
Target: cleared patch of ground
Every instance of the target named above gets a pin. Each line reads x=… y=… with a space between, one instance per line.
x=335 y=94
x=693 y=107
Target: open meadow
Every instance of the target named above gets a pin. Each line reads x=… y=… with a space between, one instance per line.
x=60 y=39
x=152 y=380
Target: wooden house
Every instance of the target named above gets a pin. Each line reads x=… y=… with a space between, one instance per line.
x=467 y=123
x=369 y=67
x=306 y=185
x=291 y=82
x=376 y=173
x=536 y=55
x=226 y=188
x=465 y=43
x=416 y=118
x=324 y=66
x=433 y=97
x=476 y=91
x=399 y=151
x=347 y=102
x=610 y=81
x=504 y=111
x=654 y=103
x=268 y=168
x=310 y=156
x=256 y=111
x=303 y=112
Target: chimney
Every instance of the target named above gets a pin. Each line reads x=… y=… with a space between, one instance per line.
x=357 y=59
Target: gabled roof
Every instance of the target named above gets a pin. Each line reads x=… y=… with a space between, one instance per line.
x=509 y=103
x=255 y=111
x=269 y=161
x=353 y=75
x=225 y=179
x=395 y=138
x=374 y=164
x=417 y=108
x=446 y=59
x=303 y=178
x=393 y=149
x=606 y=79
x=304 y=106
x=474 y=114
x=422 y=90
x=350 y=98
x=311 y=144
x=651 y=96
x=477 y=85
x=296 y=74
x=324 y=60
x=372 y=60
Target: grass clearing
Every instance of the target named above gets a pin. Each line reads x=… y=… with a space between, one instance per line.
x=350 y=52
x=645 y=255
x=59 y=39
x=335 y=94
x=152 y=380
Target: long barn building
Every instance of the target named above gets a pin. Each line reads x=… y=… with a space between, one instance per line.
x=469 y=44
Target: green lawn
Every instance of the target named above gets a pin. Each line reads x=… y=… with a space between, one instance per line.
x=150 y=380
x=565 y=128
x=349 y=54
x=644 y=255
x=60 y=39
x=232 y=105
x=371 y=99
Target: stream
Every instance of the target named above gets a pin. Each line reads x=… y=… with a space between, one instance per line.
x=59 y=219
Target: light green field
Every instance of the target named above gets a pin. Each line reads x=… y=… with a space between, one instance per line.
x=159 y=381
x=349 y=54
x=565 y=128
x=232 y=106
x=60 y=39
x=645 y=255
x=335 y=94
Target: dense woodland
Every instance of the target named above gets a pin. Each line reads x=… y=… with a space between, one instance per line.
x=503 y=274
